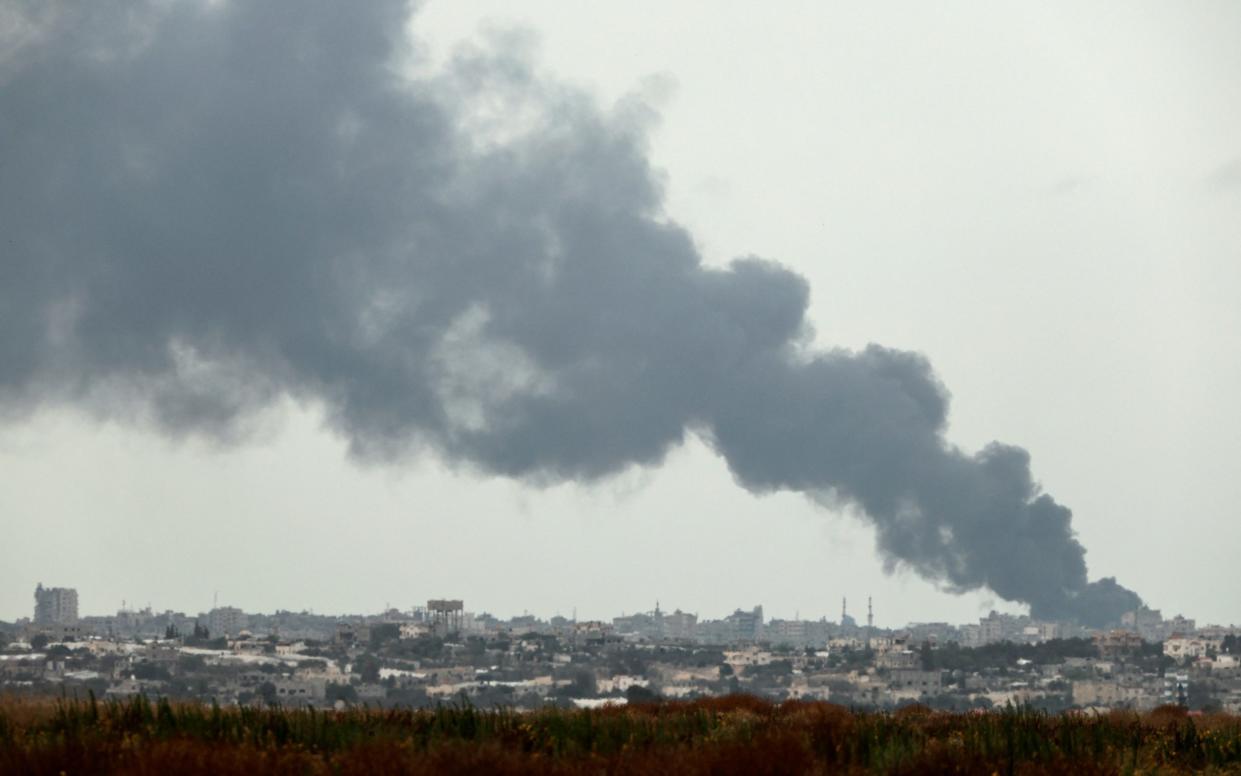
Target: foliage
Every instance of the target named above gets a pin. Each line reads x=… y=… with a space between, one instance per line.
x=341 y=692
x=267 y=691
x=1149 y=658
x=851 y=659
x=421 y=648
x=1201 y=696
x=776 y=669
x=150 y=671
x=629 y=661
x=954 y=657
x=736 y=734
x=476 y=648
x=367 y=667
x=582 y=686
x=638 y=694
x=385 y=631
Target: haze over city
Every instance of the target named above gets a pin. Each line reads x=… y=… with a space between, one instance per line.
x=572 y=308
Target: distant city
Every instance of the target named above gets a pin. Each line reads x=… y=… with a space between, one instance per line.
x=441 y=652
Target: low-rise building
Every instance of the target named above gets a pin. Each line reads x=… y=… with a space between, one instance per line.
x=1183 y=648
x=915 y=680
x=1117 y=643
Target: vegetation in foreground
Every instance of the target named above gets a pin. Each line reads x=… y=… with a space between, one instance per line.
x=735 y=734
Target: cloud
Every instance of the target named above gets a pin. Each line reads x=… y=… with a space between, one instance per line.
x=1226 y=177
x=210 y=207
x=1068 y=186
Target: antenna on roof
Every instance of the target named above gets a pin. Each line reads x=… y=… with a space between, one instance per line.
x=870 y=620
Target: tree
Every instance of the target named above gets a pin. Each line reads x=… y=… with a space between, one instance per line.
x=267 y=691
x=639 y=694
x=386 y=631
x=582 y=686
x=367 y=668
x=39 y=641
x=151 y=671
x=200 y=637
x=423 y=648
x=1201 y=697
x=413 y=697
x=928 y=656
x=773 y=671
x=629 y=661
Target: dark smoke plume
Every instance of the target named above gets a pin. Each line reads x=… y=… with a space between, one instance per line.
x=205 y=207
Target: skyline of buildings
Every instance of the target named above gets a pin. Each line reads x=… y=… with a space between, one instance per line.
x=441 y=651
x=56 y=612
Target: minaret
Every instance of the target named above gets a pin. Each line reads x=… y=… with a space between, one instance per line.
x=870 y=620
x=844 y=611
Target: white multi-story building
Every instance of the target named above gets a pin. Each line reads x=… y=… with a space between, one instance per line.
x=1183 y=648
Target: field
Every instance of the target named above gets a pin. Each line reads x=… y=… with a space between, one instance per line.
x=732 y=735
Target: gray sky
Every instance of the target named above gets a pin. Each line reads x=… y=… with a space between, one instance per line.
x=1042 y=201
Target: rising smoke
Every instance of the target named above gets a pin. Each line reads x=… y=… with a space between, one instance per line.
x=205 y=207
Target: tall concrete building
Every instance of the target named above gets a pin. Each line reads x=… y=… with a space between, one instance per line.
x=680 y=625
x=745 y=626
x=55 y=605
x=225 y=621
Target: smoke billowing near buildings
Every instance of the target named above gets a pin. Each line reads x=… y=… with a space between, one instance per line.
x=207 y=207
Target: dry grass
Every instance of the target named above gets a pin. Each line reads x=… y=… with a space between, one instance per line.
x=731 y=735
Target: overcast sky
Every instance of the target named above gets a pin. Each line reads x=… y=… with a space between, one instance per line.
x=1044 y=201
